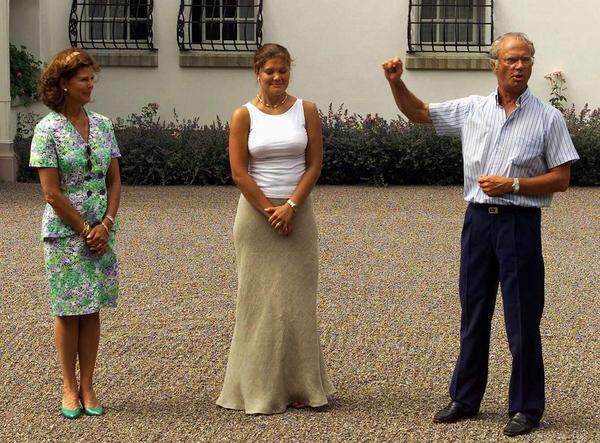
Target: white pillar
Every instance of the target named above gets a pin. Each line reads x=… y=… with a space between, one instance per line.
x=8 y=161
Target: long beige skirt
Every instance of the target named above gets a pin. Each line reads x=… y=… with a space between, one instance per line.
x=275 y=357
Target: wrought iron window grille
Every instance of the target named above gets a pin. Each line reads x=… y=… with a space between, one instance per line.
x=220 y=25
x=450 y=25
x=111 y=24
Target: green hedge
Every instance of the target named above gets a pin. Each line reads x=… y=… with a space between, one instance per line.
x=357 y=150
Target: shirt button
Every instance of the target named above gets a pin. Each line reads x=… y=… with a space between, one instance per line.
x=89 y=193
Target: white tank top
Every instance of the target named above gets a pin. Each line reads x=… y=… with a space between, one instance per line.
x=277 y=147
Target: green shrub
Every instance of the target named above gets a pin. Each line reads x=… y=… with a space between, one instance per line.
x=357 y=150
x=371 y=150
x=176 y=153
x=585 y=132
x=24 y=72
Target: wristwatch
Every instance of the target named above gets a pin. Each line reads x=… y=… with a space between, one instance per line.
x=293 y=205
x=515 y=185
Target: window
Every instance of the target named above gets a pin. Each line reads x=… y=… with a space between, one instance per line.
x=450 y=25
x=219 y=25
x=111 y=24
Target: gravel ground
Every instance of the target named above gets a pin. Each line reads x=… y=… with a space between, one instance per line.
x=388 y=311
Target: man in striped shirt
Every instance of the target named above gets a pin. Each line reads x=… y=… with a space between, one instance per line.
x=516 y=153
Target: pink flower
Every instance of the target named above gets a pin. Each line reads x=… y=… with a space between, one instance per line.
x=555 y=73
x=19 y=74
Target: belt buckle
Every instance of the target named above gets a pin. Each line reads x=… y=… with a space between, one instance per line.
x=493 y=210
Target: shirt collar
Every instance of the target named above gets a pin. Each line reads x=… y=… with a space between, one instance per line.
x=521 y=100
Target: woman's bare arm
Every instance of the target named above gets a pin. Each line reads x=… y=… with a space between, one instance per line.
x=238 y=160
x=50 y=181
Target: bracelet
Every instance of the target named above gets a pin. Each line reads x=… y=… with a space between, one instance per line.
x=112 y=223
x=292 y=205
x=112 y=220
x=105 y=227
x=86 y=229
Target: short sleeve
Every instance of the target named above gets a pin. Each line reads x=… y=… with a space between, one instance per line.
x=114 y=146
x=43 y=152
x=449 y=117
x=559 y=146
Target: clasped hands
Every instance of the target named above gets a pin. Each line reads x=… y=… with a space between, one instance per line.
x=97 y=239
x=280 y=218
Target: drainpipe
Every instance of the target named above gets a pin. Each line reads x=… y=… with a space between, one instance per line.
x=8 y=160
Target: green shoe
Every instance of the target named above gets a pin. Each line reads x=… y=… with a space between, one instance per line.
x=94 y=412
x=70 y=413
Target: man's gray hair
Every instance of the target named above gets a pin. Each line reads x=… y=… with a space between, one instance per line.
x=516 y=35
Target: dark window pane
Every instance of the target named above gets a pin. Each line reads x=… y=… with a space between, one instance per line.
x=246 y=32
x=229 y=31
x=213 y=31
x=448 y=32
x=427 y=34
x=138 y=30
x=448 y=11
x=97 y=8
x=96 y=30
x=138 y=9
x=196 y=21
x=118 y=30
x=428 y=10
x=246 y=9
x=212 y=9
x=118 y=9
x=229 y=8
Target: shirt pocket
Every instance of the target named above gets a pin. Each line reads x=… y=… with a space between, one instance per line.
x=527 y=152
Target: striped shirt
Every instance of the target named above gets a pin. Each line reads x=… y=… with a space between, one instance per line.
x=532 y=140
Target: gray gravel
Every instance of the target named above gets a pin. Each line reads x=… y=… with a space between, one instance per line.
x=388 y=312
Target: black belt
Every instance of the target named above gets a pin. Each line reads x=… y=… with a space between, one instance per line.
x=502 y=209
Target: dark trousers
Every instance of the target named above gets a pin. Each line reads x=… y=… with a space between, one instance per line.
x=501 y=244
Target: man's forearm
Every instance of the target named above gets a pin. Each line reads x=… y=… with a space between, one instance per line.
x=413 y=108
x=557 y=180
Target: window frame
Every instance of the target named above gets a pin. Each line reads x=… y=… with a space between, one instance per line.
x=109 y=15
x=192 y=31
x=479 y=25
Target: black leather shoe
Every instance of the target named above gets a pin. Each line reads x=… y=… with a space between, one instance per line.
x=452 y=413
x=519 y=424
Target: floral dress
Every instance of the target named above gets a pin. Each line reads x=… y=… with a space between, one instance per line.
x=81 y=282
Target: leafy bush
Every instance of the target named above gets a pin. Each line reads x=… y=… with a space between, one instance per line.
x=371 y=150
x=24 y=72
x=357 y=150
x=179 y=152
x=585 y=132
x=22 y=144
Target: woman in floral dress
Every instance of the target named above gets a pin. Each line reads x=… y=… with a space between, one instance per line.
x=76 y=153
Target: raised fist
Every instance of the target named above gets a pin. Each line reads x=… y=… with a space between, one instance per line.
x=393 y=69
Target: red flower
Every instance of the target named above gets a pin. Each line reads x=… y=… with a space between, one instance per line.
x=19 y=74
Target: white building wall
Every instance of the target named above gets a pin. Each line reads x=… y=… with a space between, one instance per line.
x=338 y=47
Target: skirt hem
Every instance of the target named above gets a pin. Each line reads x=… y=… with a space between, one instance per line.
x=310 y=404
x=91 y=311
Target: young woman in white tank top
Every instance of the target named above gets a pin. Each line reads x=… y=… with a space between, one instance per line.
x=275 y=152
